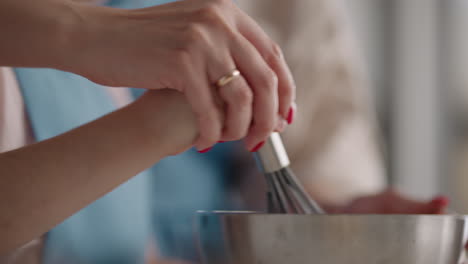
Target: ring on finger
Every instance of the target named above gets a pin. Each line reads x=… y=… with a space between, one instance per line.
x=227 y=78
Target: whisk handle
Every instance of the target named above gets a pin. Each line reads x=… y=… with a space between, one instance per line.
x=272 y=156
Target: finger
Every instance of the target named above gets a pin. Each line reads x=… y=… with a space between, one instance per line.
x=236 y=95
x=390 y=202
x=238 y=98
x=396 y=203
x=400 y=204
x=440 y=204
x=205 y=106
x=281 y=124
x=413 y=207
x=264 y=83
x=274 y=57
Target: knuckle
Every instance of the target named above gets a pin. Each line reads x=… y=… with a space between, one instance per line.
x=212 y=16
x=274 y=54
x=276 y=51
x=195 y=33
x=210 y=13
x=244 y=96
x=268 y=80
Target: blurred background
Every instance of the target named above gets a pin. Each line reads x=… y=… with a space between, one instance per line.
x=382 y=95
x=416 y=55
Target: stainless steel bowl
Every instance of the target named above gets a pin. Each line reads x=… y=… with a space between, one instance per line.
x=256 y=238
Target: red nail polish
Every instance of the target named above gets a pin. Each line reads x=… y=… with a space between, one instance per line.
x=221 y=141
x=258 y=146
x=441 y=201
x=205 y=150
x=290 y=117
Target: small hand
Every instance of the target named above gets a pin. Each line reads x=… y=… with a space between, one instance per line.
x=391 y=202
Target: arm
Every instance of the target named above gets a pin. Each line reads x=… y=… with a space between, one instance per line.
x=185 y=45
x=44 y=183
x=34 y=33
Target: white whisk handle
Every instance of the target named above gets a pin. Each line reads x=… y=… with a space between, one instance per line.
x=272 y=156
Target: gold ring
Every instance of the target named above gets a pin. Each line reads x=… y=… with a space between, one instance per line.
x=227 y=78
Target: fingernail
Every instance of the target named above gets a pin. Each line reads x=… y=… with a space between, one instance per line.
x=258 y=146
x=221 y=141
x=205 y=150
x=290 y=117
x=440 y=201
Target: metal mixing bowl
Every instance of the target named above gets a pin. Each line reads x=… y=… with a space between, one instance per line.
x=257 y=238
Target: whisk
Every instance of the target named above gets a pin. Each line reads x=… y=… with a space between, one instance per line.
x=285 y=193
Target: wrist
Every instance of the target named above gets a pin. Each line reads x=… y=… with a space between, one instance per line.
x=169 y=123
x=66 y=33
x=36 y=31
x=79 y=32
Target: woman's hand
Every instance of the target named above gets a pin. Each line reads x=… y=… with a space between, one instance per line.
x=391 y=202
x=188 y=46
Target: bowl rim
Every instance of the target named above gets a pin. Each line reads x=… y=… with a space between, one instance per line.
x=262 y=213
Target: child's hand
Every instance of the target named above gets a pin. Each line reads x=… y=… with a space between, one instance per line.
x=391 y=202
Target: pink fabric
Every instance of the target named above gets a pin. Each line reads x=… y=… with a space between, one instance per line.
x=15 y=131
x=120 y=96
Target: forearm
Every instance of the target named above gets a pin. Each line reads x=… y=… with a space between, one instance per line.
x=43 y=184
x=34 y=33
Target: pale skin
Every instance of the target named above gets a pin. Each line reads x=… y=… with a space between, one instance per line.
x=186 y=46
